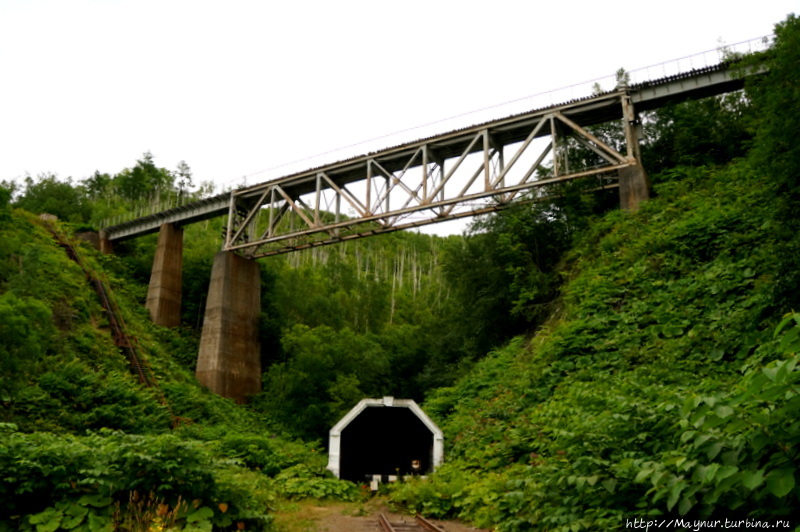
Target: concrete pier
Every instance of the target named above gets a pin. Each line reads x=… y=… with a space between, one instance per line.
x=634 y=187
x=164 y=292
x=229 y=361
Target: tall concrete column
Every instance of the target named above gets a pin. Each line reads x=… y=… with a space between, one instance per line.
x=164 y=292
x=229 y=362
x=634 y=187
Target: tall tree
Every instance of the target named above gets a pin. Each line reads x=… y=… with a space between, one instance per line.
x=184 y=175
x=776 y=98
x=144 y=180
x=97 y=186
x=46 y=194
x=710 y=131
x=5 y=196
x=503 y=274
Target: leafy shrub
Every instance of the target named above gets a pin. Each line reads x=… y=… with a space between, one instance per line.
x=300 y=482
x=739 y=449
x=266 y=453
x=582 y=424
x=593 y=454
x=81 y=398
x=25 y=330
x=92 y=482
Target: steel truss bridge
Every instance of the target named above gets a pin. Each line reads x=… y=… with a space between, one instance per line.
x=461 y=173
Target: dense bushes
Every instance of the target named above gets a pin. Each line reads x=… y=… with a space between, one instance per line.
x=110 y=480
x=84 y=446
x=658 y=388
x=25 y=331
x=738 y=449
x=74 y=397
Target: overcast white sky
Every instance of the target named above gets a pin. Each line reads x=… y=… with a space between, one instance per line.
x=238 y=87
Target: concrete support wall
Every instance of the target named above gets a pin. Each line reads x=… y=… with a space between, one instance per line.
x=634 y=187
x=164 y=292
x=229 y=362
x=105 y=244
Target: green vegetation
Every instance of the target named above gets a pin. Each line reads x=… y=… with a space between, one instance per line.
x=84 y=446
x=666 y=381
x=585 y=363
x=645 y=392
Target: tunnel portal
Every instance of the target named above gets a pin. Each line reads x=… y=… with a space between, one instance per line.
x=384 y=437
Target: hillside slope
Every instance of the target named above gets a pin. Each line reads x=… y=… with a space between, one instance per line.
x=85 y=446
x=657 y=387
x=667 y=382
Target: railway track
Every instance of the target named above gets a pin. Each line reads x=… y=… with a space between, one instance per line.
x=420 y=524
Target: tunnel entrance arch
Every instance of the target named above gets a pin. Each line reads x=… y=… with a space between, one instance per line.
x=384 y=437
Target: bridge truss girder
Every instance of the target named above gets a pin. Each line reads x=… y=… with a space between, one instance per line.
x=472 y=171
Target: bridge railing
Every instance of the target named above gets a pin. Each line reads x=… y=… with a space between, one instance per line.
x=161 y=202
x=699 y=60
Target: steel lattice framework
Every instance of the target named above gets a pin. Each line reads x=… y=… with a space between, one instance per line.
x=472 y=171
x=461 y=173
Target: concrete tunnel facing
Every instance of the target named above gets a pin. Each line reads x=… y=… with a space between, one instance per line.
x=384 y=437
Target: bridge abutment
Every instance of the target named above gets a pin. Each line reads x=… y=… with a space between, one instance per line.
x=164 y=291
x=105 y=243
x=229 y=362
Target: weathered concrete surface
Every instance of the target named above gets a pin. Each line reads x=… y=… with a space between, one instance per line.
x=229 y=361
x=105 y=243
x=164 y=292
x=90 y=237
x=634 y=187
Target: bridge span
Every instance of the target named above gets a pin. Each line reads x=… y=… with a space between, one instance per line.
x=465 y=172
x=454 y=174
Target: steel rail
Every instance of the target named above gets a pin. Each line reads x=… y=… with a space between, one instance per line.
x=384 y=523
x=119 y=331
x=427 y=525
x=419 y=523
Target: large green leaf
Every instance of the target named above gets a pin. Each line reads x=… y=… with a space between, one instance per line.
x=752 y=479
x=100 y=523
x=201 y=514
x=781 y=481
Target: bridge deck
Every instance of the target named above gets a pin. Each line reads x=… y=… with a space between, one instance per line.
x=187 y=214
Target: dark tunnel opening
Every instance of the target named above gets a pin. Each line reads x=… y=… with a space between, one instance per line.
x=384 y=441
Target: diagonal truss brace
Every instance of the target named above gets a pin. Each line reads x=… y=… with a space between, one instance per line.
x=428 y=181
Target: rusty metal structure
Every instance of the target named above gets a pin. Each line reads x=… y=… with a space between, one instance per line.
x=125 y=342
x=467 y=172
x=461 y=173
